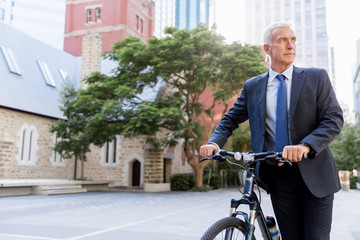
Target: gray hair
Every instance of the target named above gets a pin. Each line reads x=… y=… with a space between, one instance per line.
x=268 y=31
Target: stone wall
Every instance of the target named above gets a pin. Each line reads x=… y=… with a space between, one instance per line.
x=154 y=166
x=11 y=124
x=91 y=55
x=118 y=170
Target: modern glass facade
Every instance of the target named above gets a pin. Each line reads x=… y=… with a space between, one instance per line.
x=190 y=13
x=309 y=18
x=5 y=10
x=164 y=16
x=41 y=19
x=356 y=80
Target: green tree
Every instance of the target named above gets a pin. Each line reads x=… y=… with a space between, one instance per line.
x=187 y=62
x=70 y=131
x=346 y=147
x=237 y=63
x=241 y=139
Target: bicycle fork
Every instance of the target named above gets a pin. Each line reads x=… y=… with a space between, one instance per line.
x=249 y=219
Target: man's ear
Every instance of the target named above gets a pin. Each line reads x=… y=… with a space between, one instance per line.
x=266 y=48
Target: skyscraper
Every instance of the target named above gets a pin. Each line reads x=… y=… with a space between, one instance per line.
x=309 y=18
x=5 y=10
x=41 y=19
x=164 y=16
x=356 y=80
x=189 y=13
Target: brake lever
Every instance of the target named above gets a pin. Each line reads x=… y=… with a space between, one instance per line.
x=274 y=159
x=219 y=158
x=280 y=160
x=205 y=158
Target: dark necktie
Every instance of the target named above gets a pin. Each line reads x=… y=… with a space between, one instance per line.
x=281 y=133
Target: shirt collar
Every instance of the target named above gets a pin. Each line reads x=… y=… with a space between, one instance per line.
x=287 y=73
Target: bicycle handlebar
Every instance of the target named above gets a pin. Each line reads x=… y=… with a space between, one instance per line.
x=247 y=157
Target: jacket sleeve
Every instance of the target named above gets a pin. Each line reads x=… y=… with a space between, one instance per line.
x=236 y=115
x=329 y=117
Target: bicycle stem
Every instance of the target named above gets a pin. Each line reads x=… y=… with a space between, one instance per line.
x=249 y=184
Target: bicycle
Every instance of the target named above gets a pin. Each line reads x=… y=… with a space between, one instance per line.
x=232 y=227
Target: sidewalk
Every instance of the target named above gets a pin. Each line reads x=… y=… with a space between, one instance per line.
x=135 y=215
x=346 y=215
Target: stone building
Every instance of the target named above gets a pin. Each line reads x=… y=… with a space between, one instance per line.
x=32 y=75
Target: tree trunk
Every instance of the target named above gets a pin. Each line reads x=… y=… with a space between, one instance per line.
x=75 y=167
x=198 y=168
x=82 y=168
x=199 y=172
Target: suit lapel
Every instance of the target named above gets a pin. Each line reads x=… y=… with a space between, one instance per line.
x=296 y=86
x=261 y=94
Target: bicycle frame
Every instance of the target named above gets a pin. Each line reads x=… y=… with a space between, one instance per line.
x=246 y=226
x=250 y=199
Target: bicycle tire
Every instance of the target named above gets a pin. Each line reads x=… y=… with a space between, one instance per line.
x=218 y=229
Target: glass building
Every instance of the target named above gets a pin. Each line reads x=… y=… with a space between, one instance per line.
x=356 y=80
x=189 y=13
x=41 y=19
x=309 y=19
x=164 y=16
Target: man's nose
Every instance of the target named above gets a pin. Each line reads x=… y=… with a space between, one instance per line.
x=291 y=45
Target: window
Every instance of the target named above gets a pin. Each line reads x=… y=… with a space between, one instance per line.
x=137 y=22
x=64 y=75
x=93 y=13
x=56 y=159
x=109 y=156
x=89 y=16
x=10 y=60
x=27 y=145
x=98 y=15
x=46 y=73
x=2 y=14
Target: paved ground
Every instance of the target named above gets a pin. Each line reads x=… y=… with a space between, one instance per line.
x=134 y=215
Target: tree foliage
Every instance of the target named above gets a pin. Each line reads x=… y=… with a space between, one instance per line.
x=346 y=147
x=186 y=62
x=70 y=132
x=241 y=139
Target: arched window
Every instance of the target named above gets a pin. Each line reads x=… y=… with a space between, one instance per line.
x=109 y=152
x=27 y=145
x=56 y=159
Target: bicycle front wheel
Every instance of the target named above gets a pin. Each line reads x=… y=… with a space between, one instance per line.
x=229 y=228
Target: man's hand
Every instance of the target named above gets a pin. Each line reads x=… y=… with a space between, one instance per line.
x=208 y=149
x=294 y=153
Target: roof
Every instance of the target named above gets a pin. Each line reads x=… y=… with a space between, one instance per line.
x=24 y=87
x=149 y=93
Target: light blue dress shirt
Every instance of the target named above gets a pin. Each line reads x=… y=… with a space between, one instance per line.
x=271 y=97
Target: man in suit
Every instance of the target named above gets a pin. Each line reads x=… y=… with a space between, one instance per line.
x=302 y=194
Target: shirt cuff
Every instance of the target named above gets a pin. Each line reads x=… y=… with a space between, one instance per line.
x=214 y=144
x=311 y=154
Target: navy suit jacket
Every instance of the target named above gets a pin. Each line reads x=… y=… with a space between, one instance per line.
x=315 y=118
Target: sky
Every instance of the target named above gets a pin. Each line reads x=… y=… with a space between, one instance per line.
x=343 y=20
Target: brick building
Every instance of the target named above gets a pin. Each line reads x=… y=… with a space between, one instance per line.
x=112 y=19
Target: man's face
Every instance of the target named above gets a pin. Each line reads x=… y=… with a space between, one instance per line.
x=282 y=49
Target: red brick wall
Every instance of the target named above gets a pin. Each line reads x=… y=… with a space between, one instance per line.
x=118 y=20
